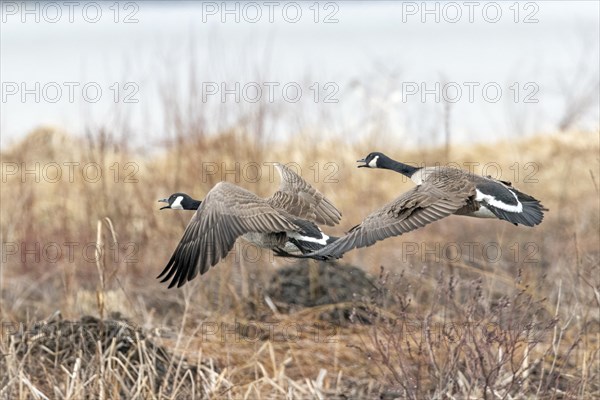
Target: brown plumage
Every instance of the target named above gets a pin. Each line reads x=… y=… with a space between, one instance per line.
x=280 y=222
x=299 y=198
x=437 y=197
x=440 y=192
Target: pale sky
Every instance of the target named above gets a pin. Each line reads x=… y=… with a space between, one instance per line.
x=378 y=59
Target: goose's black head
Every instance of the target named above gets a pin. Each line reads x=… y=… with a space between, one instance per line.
x=373 y=160
x=180 y=201
x=380 y=160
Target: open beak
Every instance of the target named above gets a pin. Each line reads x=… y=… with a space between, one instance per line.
x=364 y=163
x=164 y=201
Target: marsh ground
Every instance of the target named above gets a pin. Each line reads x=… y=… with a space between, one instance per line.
x=464 y=308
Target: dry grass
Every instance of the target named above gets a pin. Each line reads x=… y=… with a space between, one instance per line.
x=521 y=324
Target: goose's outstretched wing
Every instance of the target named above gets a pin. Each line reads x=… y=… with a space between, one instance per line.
x=228 y=212
x=299 y=198
x=437 y=197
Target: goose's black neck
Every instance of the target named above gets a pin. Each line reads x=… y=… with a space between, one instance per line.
x=388 y=163
x=193 y=204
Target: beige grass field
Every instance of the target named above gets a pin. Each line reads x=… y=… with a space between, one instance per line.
x=464 y=308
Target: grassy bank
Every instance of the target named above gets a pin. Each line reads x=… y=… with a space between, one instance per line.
x=462 y=308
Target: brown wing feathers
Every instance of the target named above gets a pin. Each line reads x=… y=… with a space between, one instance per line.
x=437 y=197
x=227 y=213
x=299 y=198
x=230 y=211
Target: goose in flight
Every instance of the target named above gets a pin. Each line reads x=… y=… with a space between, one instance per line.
x=285 y=222
x=440 y=192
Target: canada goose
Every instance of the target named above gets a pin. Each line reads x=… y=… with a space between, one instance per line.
x=440 y=191
x=285 y=222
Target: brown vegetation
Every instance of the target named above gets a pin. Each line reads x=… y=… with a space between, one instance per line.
x=464 y=308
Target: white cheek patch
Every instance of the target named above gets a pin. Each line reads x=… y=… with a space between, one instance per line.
x=177 y=203
x=491 y=200
x=373 y=162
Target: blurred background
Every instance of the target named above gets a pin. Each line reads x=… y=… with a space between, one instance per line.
x=372 y=54
x=107 y=107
